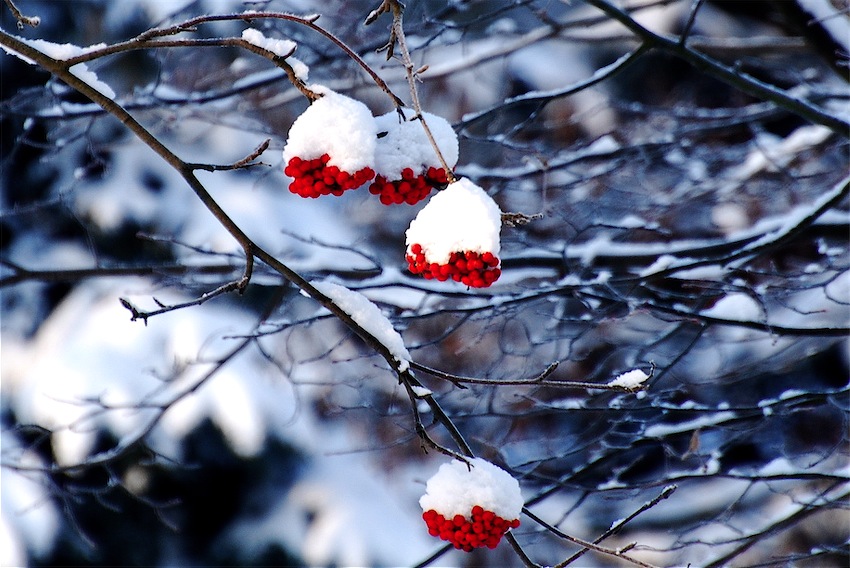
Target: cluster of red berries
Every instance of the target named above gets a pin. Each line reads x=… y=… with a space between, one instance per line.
x=485 y=529
x=312 y=178
x=470 y=268
x=410 y=189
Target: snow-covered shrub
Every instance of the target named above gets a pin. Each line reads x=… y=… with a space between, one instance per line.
x=406 y=164
x=471 y=505
x=456 y=236
x=331 y=146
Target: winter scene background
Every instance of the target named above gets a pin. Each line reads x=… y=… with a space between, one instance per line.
x=202 y=367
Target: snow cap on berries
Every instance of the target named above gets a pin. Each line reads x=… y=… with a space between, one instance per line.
x=457 y=488
x=461 y=218
x=471 y=505
x=407 y=146
x=336 y=125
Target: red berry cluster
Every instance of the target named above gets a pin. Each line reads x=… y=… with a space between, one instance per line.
x=312 y=178
x=470 y=268
x=410 y=189
x=485 y=529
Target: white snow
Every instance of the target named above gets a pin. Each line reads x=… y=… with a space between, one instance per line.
x=369 y=317
x=460 y=218
x=335 y=125
x=407 y=146
x=833 y=19
x=736 y=307
x=29 y=519
x=456 y=488
x=64 y=51
x=421 y=391
x=712 y=419
x=629 y=380
x=280 y=47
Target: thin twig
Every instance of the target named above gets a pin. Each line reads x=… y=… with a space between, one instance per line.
x=583 y=543
x=397 y=36
x=246 y=162
x=692 y=18
x=22 y=20
x=616 y=527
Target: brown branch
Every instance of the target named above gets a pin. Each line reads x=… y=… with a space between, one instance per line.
x=246 y=162
x=537 y=381
x=397 y=37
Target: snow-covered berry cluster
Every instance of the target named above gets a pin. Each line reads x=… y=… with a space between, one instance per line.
x=331 y=146
x=406 y=164
x=456 y=236
x=471 y=505
x=336 y=145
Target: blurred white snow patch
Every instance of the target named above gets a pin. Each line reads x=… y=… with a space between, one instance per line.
x=771 y=152
x=631 y=221
x=736 y=306
x=369 y=317
x=12 y=548
x=344 y=513
x=461 y=218
x=629 y=380
x=663 y=262
x=599 y=244
x=456 y=488
x=730 y=217
x=29 y=520
x=90 y=366
x=406 y=144
x=336 y=125
x=832 y=18
x=554 y=65
x=138 y=187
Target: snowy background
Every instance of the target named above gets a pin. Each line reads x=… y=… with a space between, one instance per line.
x=256 y=430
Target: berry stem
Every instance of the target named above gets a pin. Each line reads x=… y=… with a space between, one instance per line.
x=398 y=35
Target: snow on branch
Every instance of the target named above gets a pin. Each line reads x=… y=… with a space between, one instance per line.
x=369 y=317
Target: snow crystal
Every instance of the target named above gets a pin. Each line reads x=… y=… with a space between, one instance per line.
x=629 y=380
x=456 y=488
x=737 y=307
x=407 y=146
x=280 y=47
x=335 y=125
x=369 y=317
x=474 y=218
